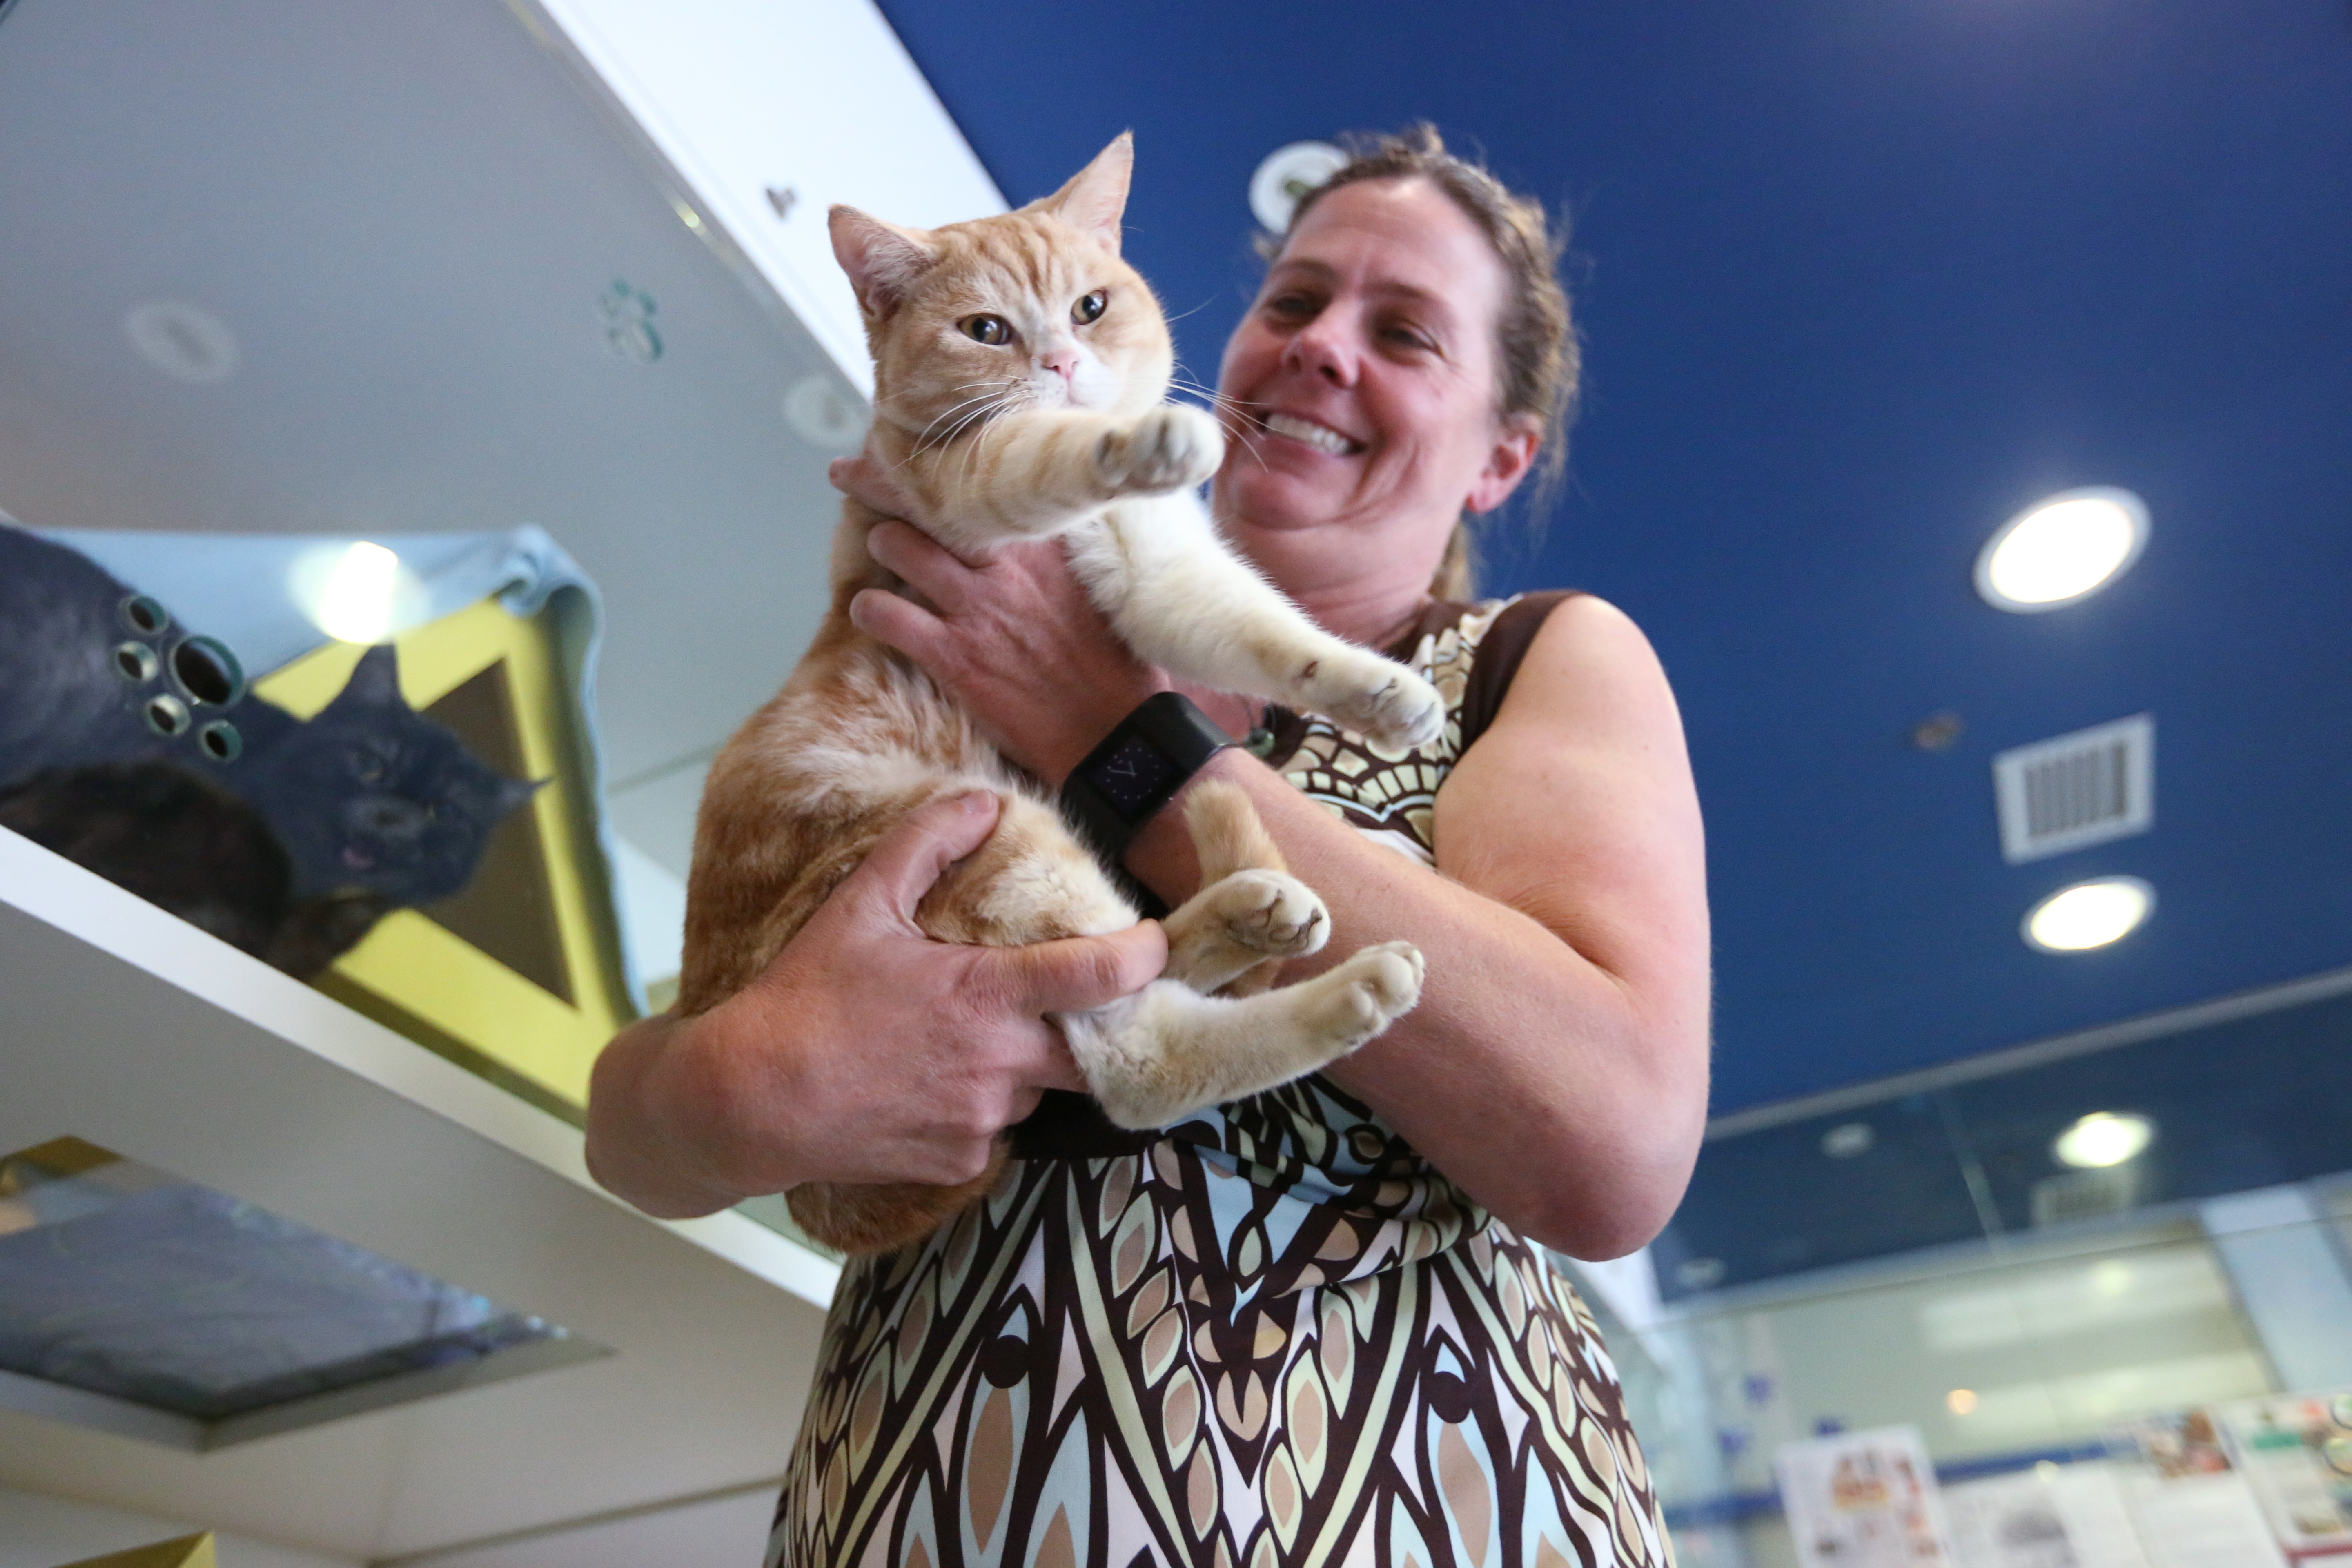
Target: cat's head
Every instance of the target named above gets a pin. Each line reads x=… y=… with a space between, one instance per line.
x=375 y=796
x=1033 y=309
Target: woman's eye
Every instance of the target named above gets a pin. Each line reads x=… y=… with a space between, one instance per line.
x=1291 y=305
x=990 y=330
x=1090 y=308
x=1405 y=334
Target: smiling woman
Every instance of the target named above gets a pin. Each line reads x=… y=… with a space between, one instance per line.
x=1428 y=282
x=1309 y=1326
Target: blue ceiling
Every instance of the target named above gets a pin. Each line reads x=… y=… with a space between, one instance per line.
x=1857 y=279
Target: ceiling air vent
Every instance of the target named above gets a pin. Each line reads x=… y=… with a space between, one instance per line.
x=2075 y=790
x=2083 y=1195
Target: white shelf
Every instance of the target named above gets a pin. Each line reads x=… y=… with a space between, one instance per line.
x=129 y=1028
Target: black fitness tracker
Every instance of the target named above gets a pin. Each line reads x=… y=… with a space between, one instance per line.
x=1138 y=768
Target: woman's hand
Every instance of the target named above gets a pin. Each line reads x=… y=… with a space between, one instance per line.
x=866 y=1052
x=1013 y=638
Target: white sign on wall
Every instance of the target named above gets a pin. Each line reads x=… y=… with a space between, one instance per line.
x=1865 y=1499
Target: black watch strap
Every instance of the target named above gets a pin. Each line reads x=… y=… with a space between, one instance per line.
x=1152 y=753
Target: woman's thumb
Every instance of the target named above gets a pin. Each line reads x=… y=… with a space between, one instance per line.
x=912 y=855
x=1081 y=972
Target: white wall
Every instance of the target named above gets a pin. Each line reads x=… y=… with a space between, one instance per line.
x=727 y=1530
x=40 y=1532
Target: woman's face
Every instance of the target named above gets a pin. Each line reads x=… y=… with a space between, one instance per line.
x=1364 y=375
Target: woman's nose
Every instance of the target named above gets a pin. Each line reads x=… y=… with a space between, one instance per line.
x=1321 y=348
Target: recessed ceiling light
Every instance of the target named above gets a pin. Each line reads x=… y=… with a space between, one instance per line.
x=1286 y=175
x=2062 y=549
x=2100 y=1139
x=1847 y=1140
x=2089 y=914
x=1699 y=1273
x=356 y=593
x=1960 y=1401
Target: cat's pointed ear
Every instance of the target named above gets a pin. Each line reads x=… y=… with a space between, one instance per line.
x=514 y=792
x=882 y=260
x=376 y=681
x=1096 y=197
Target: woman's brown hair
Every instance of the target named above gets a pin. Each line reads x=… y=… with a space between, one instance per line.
x=1535 y=335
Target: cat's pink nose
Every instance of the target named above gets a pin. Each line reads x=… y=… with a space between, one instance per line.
x=1061 y=362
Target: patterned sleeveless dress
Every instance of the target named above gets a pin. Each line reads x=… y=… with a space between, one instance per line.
x=1273 y=1335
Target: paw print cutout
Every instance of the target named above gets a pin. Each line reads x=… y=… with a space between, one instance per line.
x=628 y=314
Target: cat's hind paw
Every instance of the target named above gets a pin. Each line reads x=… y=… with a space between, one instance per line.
x=1174 y=447
x=1371 y=990
x=1271 y=912
x=1237 y=923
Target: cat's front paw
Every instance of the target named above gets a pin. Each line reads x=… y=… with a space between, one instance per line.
x=1174 y=447
x=1386 y=702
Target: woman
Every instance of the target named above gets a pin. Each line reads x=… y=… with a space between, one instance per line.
x=1306 y=1329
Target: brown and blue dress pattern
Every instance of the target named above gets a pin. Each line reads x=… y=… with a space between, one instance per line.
x=1276 y=1336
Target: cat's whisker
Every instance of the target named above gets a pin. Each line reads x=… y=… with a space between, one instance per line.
x=988 y=389
x=971 y=458
x=1006 y=400
x=997 y=391
x=1242 y=431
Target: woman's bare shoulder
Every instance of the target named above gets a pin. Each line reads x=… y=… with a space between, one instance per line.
x=1577 y=806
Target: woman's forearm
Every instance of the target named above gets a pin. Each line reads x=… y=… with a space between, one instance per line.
x=644 y=1143
x=1565 y=1101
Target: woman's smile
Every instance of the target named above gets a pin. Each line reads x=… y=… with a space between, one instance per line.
x=1311 y=432
x=1364 y=375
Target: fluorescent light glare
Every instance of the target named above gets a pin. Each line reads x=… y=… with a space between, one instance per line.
x=2062 y=550
x=1960 y=1401
x=1848 y=1138
x=2102 y=1138
x=352 y=595
x=2089 y=914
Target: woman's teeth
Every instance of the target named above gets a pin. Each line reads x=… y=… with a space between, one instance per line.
x=1321 y=437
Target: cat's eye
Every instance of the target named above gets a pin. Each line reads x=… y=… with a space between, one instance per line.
x=1091 y=307
x=368 y=769
x=990 y=330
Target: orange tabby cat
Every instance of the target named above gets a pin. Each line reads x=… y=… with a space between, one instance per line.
x=1021 y=372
